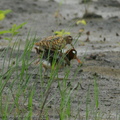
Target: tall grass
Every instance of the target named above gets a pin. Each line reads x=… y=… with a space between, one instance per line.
x=24 y=97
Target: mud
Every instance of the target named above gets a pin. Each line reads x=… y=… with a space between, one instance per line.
x=100 y=54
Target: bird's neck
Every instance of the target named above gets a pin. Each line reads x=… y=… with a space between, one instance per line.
x=69 y=57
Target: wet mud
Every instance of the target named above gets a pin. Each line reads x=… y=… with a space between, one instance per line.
x=100 y=53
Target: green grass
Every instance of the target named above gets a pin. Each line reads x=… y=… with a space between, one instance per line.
x=24 y=97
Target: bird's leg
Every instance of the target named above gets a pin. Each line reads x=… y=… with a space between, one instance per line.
x=37 y=62
x=39 y=50
x=45 y=74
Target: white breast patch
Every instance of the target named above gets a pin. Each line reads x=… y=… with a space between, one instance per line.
x=46 y=63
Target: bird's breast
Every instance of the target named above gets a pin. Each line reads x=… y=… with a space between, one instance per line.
x=46 y=64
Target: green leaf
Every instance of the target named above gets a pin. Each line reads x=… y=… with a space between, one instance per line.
x=5 y=31
x=5 y=11
x=21 y=25
x=81 y=22
x=62 y=32
x=15 y=33
x=15 y=27
x=7 y=38
x=2 y=16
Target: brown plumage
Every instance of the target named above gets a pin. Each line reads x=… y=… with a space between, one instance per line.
x=55 y=42
x=56 y=58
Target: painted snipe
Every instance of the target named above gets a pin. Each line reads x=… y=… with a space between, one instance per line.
x=57 y=58
x=54 y=42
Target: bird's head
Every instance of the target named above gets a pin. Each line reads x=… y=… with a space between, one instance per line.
x=72 y=54
x=68 y=39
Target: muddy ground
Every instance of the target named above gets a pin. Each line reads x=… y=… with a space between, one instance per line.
x=101 y=53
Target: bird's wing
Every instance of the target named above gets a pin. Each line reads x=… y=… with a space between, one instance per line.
x=52 y=42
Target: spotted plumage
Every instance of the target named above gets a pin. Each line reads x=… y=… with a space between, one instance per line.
x=54 y=42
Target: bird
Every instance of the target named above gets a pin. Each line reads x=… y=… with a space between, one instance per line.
x=56 y=59
x=57 y=42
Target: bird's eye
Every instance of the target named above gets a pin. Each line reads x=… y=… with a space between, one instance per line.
x=70 y=38
x=74 y=52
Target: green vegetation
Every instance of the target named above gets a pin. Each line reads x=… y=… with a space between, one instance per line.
x=26 y=94
x=3 y=13
x=21 y=95
x=13 y=31
x=62 y=32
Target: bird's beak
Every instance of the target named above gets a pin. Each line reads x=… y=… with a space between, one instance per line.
x=77 y=59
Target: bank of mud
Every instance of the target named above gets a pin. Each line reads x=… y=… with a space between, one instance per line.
x=100 y=55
